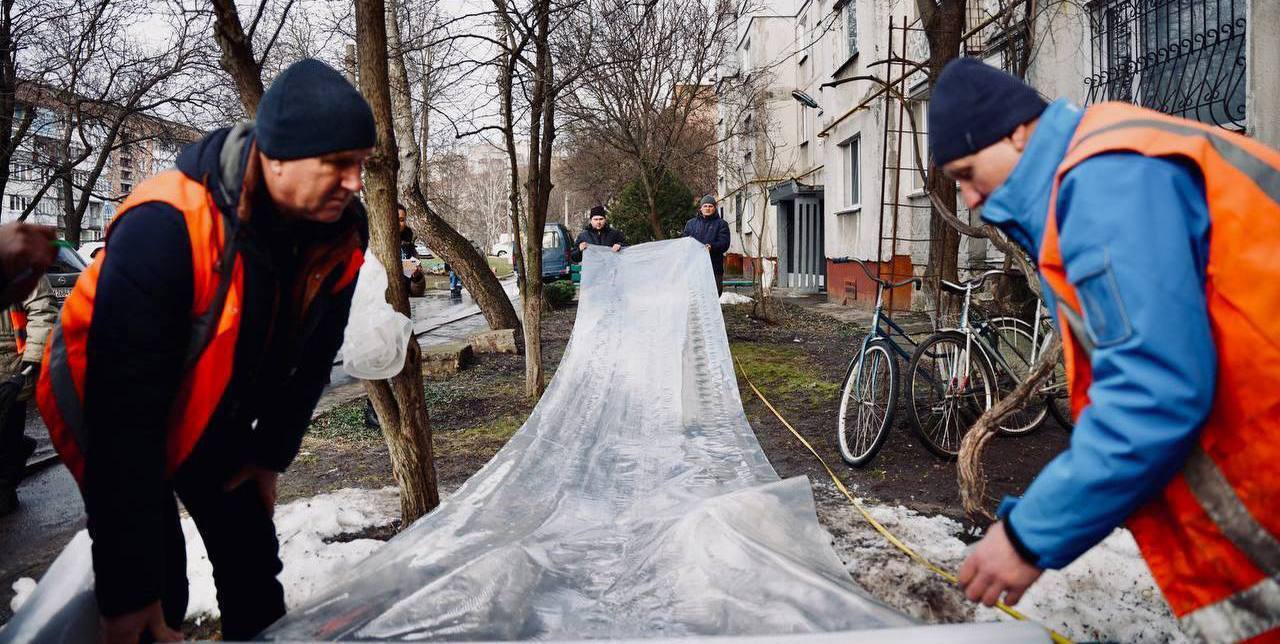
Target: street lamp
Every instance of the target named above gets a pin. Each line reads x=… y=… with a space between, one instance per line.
x=804 y=99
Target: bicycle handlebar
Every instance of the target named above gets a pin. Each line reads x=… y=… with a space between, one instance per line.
x=872 y=276
x=971 y=283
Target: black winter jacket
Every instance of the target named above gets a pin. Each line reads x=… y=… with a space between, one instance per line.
x=607 y=236
x=710 y=230
x=137 y=340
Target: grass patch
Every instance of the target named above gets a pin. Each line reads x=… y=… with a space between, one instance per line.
x=345 y=423
x=486 y=438
x=781 y=370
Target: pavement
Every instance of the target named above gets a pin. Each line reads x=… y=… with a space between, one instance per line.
x=51 y=511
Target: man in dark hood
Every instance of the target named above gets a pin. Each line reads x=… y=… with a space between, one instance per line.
x=598 y=232
x=203 y=339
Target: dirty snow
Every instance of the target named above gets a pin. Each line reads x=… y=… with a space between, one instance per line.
x=734 y=298
x=1108 y=594
x=22 y=590
x=310 y=564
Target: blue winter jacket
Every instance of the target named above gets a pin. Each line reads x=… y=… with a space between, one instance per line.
x=1134 y=235
x=710 y=230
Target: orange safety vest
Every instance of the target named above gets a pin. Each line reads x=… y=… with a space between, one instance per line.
x=1211 y=536
x=218 y=272
x=18 y=318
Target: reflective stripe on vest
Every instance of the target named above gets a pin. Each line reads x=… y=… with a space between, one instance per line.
x=1246 y=614
x=1209 y=537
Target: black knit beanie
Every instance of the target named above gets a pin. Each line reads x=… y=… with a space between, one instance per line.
x=597 y=211
x=974 y=105
x=311 y=110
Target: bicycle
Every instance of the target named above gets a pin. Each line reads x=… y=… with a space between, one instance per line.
x=1030 y=341
x=869 y=391
x=958 y=373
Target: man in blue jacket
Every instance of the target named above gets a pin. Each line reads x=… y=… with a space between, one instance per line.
x=1139 y=222
x=708 y=228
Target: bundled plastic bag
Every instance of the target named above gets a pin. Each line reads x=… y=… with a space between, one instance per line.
x=377 y=337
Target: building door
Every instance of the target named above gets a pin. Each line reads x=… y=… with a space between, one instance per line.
x=802 y=260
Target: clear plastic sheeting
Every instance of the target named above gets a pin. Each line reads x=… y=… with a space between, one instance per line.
x=635 y=502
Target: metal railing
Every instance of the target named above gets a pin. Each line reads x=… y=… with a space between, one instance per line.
x=1181 y=57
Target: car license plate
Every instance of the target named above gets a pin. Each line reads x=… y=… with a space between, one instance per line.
x=62 y=292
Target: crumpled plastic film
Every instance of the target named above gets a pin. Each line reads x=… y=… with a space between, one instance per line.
x=634 y=502
x=376 y=339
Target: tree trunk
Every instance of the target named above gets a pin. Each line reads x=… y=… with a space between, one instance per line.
x=505 y=89
x=70 y=218
x=944 y=26
x=237 y=55
x=397 y=401
x=650 y=186
x=443 y=240
x=541 y=136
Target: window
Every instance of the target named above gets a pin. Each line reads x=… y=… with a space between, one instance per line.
x=126 y=188
x=918 y=111
x=551 y=239
x=852 y=177
x=851 y=26
x=737 y=212
x=803 y=37
x=18 y=203
x=746 y=56
x=1181 y=57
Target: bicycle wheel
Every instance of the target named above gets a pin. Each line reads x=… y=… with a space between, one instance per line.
x=867 y=403
x=949 y=391
x=1017 y=346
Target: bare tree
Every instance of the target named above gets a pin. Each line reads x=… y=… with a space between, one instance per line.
x=545 y=47
x=651 y=100
x=398 y=401
x=943 y=22
x=101 y=87
x=414 y=181
x=754 y=161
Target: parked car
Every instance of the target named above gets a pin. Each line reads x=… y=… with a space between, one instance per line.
x=65 y=270
x=90 y=250
x=557 y=255
x=423 y=251
x=557 y=252
x=501 y=249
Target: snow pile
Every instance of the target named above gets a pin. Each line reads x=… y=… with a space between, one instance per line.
x=734 y=298
x=22 y=590
x=1108 y=594
x=302 y=526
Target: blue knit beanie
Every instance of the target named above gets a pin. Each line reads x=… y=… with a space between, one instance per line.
x=974 y=105
x=311 y=110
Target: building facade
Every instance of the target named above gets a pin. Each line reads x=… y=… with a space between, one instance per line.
x=145 y=146
x=843 y=178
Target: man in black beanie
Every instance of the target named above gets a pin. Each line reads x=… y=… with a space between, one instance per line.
x=203 y=340
x=598 y=232
x=1173 y=388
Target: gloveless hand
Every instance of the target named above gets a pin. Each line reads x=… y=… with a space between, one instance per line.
x=995 y=568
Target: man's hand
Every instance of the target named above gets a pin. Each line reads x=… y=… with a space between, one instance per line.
x=617 y=247
x=128 y=629
x=26 y=251
x=264 y=478
x=582 y=245
x=994 y=568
